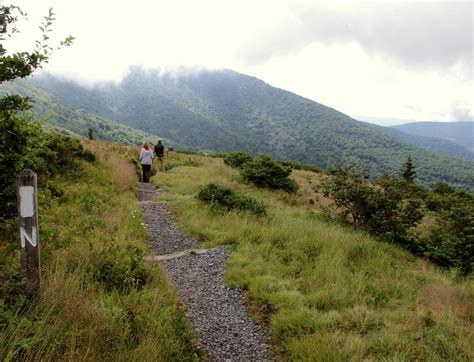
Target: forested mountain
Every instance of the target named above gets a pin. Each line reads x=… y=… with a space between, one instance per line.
x=460 y=132
x=225 y=110
x=440 y=145
x=70 y=120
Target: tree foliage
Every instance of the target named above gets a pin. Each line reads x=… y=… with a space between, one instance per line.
x=391 y=207
x=451 y=241
x=24 y=143
x=267 y=173
x=408 y=172
x=383 y=207
x=237 y=159
x=22 y=64
x=223 y=198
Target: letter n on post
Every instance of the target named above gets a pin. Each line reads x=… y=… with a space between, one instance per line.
x=29 y=230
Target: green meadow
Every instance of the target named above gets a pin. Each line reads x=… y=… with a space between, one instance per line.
x=326 y=291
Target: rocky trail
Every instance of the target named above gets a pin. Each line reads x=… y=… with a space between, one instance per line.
x=216 y=312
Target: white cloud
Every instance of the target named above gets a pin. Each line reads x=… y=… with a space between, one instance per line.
x=365 y=85
x=357 y=61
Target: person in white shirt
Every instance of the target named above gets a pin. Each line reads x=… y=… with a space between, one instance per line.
x=146 y=159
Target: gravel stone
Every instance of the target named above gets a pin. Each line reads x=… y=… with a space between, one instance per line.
x=165 y=238
x=217 y=313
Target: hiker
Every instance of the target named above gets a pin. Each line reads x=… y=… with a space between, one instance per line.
x=160 y=155
x=146 y=159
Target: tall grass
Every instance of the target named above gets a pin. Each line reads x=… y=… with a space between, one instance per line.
x=327 y=292
x=77 y=318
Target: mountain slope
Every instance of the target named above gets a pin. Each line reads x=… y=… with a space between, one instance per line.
x=74 y=121
x=225 y=110
x=460 y=132
x=440 y=145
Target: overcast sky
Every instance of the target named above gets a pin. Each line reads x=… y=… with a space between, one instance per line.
x=390 y=60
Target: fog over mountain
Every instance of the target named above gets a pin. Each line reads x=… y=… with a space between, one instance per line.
x=225 y=110
x=402 y=59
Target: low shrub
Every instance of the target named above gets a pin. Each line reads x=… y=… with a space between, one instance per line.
x=266 y=173
x=120 y=269
x=452 y=238
x=223 y=198
x=187 y=151
x=216 y=154
x=295 y=165
x=390 y=208
x=382 y=207
x=237 y=159
x=46 y=152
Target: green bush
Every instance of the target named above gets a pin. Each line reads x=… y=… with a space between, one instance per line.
x=382 y=207
x=266 y=173
x=25 y=144
x=120 y=269
x=216 y=154
x=390 y=207
x=223 y=198
x=187 y=151
x=295 y=165
x=451 y=242
x=237 y=159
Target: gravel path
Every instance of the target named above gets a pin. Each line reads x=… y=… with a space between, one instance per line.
x=165 y=238
x=216 y=312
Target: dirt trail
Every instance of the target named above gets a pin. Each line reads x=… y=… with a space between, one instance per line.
x=217 y=313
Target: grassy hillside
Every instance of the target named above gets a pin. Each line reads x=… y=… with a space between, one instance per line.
x=225 y=110
x=98 y=301
x=328 y=293
x=74 y=121
x=460 y=132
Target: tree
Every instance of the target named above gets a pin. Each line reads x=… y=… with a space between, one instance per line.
x=266 y=173
x=22 y=64
x=384 y=207
x=451 y=241
x=237 y=159
x=408 y=172
x=22 y=143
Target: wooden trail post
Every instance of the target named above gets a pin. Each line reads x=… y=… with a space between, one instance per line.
x=29 y=231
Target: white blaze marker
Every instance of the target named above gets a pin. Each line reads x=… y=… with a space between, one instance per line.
x=27 y=203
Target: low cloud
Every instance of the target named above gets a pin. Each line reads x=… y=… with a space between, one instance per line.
x=433 y=34
x=462 y=113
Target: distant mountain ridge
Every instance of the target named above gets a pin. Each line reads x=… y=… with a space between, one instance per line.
x=440 y=145
x=225 y=110
x=461 y=133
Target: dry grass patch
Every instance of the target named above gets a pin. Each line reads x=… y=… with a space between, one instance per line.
x=453 y=299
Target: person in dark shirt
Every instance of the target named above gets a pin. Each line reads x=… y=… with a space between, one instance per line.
x=160 y=155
